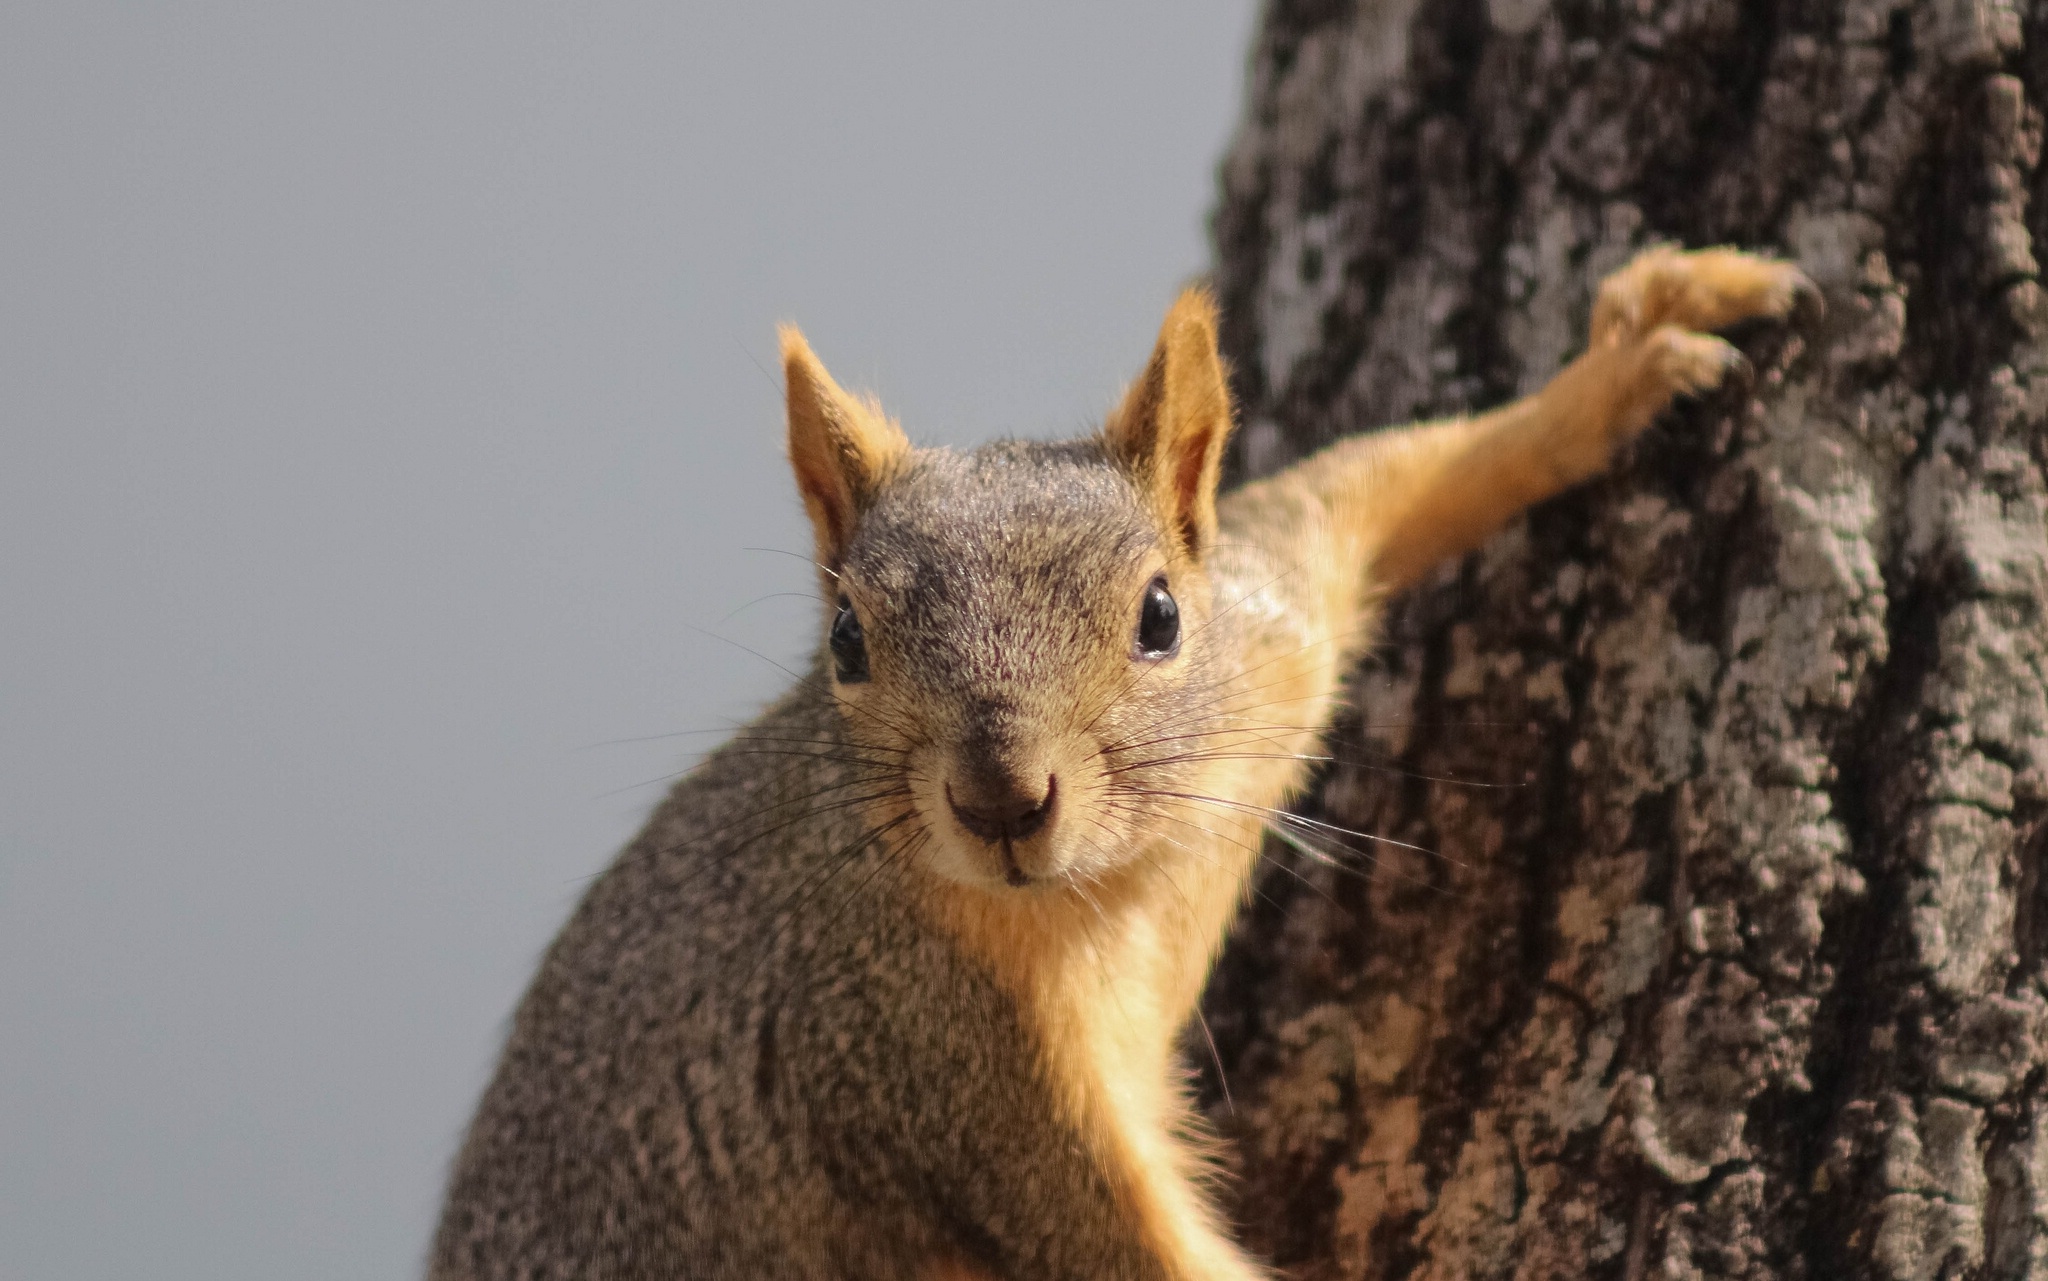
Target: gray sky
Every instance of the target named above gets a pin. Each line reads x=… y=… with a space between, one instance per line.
x=383 y=413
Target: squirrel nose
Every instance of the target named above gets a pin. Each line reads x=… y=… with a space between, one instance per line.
x=1004 y=812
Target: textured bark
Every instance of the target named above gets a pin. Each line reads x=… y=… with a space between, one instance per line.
x=1703 y=934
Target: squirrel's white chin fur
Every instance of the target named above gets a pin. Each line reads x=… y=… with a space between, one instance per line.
x=1050 y=858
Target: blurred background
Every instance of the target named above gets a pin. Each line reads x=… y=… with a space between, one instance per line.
x=387 y=432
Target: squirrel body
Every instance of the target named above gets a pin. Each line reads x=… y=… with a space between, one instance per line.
x=892 y=984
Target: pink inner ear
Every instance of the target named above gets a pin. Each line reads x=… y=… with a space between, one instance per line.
x=1193 y=453
x=829 y=504
x=1187 y=490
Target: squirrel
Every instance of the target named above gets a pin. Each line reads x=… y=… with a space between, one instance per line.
x=892 y=985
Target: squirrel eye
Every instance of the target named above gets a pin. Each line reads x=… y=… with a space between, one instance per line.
x=849 y=645
x=1158 y=623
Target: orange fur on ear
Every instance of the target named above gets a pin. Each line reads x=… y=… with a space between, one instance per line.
x=841 y=447
x=1169 y=433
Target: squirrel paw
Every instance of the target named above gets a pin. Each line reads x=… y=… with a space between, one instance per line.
x=1698 y=290
x=1649 y=318
x=1679 y=362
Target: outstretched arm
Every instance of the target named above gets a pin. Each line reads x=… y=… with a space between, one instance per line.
x=1375 y=513
x=1410 y=499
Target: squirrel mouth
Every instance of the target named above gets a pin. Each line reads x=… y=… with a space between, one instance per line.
x=1004 y=821
x=1016 y=876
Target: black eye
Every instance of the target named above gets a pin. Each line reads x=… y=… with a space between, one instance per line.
x=849 y=645
x=1158 y=623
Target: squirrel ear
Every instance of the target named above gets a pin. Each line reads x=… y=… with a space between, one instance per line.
x=1169 y=432
x=841 y=447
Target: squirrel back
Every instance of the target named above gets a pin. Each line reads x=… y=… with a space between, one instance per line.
x=892 y=984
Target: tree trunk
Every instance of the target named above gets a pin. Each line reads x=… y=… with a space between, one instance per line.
x=1700 y=931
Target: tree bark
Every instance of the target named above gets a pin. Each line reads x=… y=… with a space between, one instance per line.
x=1700 y=931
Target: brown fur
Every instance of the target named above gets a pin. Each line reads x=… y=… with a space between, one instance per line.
x=810 y=1024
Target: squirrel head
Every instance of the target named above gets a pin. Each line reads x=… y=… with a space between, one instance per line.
x=1018 y=637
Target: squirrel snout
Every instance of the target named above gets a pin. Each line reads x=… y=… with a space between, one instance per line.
x=1006 y=812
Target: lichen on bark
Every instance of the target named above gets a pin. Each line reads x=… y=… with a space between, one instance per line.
x=1700 y=930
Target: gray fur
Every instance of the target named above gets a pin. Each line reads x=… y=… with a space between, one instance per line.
x=747 y=1055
